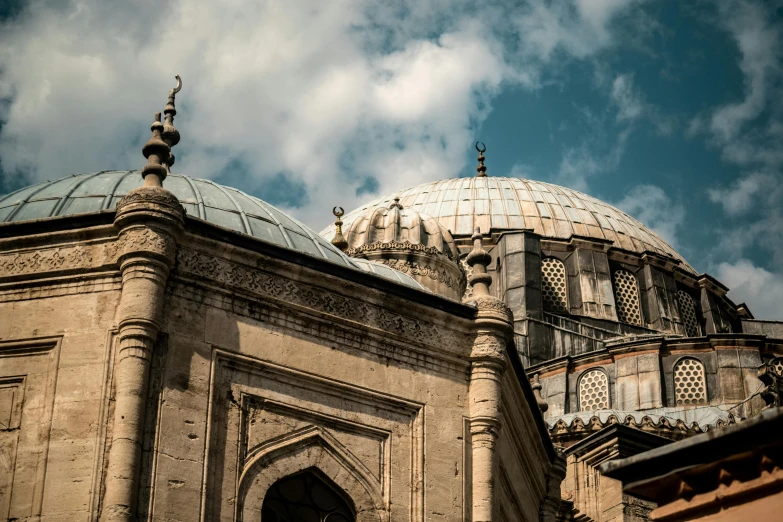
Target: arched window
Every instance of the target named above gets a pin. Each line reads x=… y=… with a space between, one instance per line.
x=626 y=293
x=593 y=391
x=690 y=386
x=553 y=285
x=305 y=497
x=688 y=314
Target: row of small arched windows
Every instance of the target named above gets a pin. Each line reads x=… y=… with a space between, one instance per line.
x=626 y=294
x=690 y=386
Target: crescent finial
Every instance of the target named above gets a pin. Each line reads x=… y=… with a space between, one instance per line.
x=176 y=89
x=484 y=149
x=338 y=213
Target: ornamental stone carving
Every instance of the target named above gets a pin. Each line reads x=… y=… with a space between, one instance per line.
x=415 y=269
x=148 y=240
x=276 y=287
x=23 y=263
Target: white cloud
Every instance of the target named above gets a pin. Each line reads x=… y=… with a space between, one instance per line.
x=628 y=100
x=732 y=126
x=761 y=289
x=652 y=206
x=751 y=192
x=328 y=93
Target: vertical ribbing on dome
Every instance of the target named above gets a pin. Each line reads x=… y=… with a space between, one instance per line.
x=478 y=259
x=481 y=169
x=158 y=149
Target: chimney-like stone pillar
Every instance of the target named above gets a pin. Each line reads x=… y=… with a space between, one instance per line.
x=149 y=220
x=494 y=330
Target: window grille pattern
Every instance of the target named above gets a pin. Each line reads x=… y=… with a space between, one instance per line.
x=304 y=497
x=593 y=391
x=688 y=314
x=777 y=366
x=689 y=383
x=627 y=297
x=553 y=285
x=468 y=272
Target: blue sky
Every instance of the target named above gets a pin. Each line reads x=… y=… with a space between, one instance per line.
x=669 y=110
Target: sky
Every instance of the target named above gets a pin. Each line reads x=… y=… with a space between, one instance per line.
x=672 y=111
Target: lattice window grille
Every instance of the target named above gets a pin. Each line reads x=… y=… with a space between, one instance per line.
x=688 y=314
x=627 y=297
x=553 y=285
x=777 y=366
x=690 y=387
x=468 y=272
x=593 y=391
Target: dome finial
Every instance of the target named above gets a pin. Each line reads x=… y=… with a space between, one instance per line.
x=339 y=240
x=396 y=204
x=482 y=169
x=158 y=149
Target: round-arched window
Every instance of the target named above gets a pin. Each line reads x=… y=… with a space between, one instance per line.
x=690 y=385
x=593 y=391
x=305 y=497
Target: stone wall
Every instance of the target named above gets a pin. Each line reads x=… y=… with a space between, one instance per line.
x=262 y=367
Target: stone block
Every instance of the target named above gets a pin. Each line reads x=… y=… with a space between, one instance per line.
x=727 y=358
x=626 y=366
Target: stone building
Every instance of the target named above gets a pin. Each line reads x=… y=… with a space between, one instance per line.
x=613 y=326
x=171 y=349
x=469 y=349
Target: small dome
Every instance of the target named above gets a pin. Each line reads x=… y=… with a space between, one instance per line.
x=395 y=224
x=411 y=243
x=223 y=206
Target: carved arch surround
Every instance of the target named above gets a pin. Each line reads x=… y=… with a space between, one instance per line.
x=267 y=421
x=309 y=448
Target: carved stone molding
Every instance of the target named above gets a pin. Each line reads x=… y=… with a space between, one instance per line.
x=50 y=260
x=400 y=246
x=300 y=433
x=416 y=269
x=145 y=239
x=318 y=299
x=153 y=195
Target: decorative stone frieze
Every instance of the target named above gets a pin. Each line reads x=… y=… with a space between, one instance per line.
x=289 y=292
x=49 y=260
x=436 y=274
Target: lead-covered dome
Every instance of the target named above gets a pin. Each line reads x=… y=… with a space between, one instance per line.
x=223 y=206
x=500 y=203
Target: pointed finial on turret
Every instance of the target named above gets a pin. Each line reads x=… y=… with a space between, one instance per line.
x=339 y=240
x=478 y=259
x=158 y=149
x=482 y=169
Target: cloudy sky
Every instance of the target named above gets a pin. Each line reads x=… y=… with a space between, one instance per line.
x=670 y=110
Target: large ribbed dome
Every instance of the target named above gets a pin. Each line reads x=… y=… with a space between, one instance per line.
x=499 y=203
x=203 y=199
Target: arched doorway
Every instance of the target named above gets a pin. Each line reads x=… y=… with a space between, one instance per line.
x=306 y=497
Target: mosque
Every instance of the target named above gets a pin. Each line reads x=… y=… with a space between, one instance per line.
x=470 y=349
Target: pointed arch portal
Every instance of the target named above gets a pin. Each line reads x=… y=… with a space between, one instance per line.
x=306 y=497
